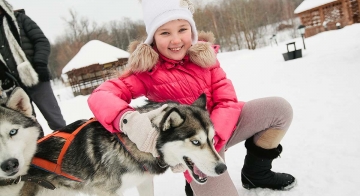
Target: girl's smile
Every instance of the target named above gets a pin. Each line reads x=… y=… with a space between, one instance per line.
x=173 y=39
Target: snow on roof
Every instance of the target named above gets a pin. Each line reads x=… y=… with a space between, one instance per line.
x=95 y=52
x=310 y=4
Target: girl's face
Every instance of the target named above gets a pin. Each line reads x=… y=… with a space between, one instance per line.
x=173 y=39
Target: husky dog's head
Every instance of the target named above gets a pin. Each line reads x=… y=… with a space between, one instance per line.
x=186 y=137
x=18 y=134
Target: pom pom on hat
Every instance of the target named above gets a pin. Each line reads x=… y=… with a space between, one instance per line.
x=158 y=12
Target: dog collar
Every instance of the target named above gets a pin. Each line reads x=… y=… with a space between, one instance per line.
x=161 y=163
x=42 y=182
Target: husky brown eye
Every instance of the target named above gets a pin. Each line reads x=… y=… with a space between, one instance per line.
x=196 y=142
x=13 y=132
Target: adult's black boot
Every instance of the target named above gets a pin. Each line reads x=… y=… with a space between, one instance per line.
x=256 y=172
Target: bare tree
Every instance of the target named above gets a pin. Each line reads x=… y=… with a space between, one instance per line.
x=236 y=24
x=124 y=31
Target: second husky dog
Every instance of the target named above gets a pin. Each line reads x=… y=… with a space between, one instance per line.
x=99 y=162
x=18 y=135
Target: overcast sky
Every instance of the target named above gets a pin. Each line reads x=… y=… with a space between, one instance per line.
x=48 y=14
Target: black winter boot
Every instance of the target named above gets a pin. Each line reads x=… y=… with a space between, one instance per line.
x=256 y=172
x=188 y=189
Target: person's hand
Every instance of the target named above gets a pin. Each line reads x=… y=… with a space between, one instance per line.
x=137 y=126
x=42 y=71
x=179 y=168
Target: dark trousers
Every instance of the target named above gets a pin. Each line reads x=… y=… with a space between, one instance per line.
x=44 y=98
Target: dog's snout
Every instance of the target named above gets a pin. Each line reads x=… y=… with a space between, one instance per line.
x=221 y=168
x=10 y=166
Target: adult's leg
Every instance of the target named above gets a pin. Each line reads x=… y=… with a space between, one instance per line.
x=267 y=119
x=43 y=96
x=263 y=123
x=215 y=186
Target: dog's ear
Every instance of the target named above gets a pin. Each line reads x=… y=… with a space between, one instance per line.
x=201 y=102
x=19 y=101
x=171 y=119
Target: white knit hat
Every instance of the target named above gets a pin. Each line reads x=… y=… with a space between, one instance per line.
x=158 y=12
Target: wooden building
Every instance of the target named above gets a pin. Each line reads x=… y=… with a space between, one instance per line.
x=95 y=63
x=323 y=15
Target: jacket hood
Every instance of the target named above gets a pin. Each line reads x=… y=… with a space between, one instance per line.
x=143 y=57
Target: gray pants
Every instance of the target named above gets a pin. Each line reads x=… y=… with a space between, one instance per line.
x=44 y=98
x=256 y=117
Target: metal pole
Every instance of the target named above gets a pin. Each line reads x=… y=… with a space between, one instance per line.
x=302 y=35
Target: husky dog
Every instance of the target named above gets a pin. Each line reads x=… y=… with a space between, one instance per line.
x=103 y=163
x=19 y=132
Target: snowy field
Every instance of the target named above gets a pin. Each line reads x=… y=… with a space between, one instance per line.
x=322 y=148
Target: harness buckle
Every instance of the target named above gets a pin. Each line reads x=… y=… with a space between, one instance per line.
x=17 y=180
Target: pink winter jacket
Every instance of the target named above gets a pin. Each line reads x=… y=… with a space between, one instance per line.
x=181 y=81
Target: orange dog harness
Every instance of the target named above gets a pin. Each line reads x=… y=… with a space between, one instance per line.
x=56 y=167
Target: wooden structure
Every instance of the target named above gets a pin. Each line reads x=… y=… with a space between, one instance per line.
x=323 y=15
x=84 y=80
x=95 y=63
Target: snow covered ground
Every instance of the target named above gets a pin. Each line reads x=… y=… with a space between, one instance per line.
x=322 y=148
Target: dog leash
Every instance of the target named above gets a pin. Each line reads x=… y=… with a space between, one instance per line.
x=4 y=92
x=42 y=182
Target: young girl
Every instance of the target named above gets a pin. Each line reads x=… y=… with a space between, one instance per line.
x=172 y=65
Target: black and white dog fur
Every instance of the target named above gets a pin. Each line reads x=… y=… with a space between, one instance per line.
x=19 y=132
x=105 y=165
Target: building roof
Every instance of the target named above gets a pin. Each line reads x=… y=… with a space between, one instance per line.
x=95 y=52
x=310 y=4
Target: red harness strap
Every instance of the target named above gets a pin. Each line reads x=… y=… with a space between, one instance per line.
x=56 y=168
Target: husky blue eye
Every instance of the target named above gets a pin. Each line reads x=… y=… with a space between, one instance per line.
x=196 y=142
x=13 y=132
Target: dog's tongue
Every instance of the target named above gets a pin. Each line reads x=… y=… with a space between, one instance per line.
x=198 y=172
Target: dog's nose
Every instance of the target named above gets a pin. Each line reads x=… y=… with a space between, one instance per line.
x=221 y=168
x=10 y=166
